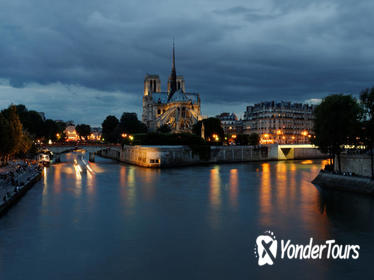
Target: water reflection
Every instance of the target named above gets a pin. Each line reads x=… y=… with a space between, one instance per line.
x=354 y=212
x=234 y=184
x=215 y=187
x=106 y=212
x=286 y=197
x=215 y=197
x=127 y=182
x=265 y=195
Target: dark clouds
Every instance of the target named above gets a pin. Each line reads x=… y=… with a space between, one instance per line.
x=96 y=53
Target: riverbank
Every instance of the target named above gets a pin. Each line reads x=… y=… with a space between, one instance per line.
x=15 y=180
x=339 y=182
x=172 y=156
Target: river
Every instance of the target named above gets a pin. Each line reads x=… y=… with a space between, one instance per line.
x=106 y=220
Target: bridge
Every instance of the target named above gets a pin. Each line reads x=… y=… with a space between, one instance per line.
x=294 y=151
x=57 y=150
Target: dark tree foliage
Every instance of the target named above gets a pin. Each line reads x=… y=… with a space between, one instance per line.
x=254 y=139
x=367 y=101
x=130 y=124
x=31 y=121
x=211 y=126
x=50 y=130
x=110 y=132
x=164 y=129
x=245 y=139
x=35 y=127
x=4 y=137
x=83 y=130
x=335 y=124
x=242 y=139
x=13 y=140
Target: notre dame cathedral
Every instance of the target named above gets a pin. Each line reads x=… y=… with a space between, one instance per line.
x=176 y=108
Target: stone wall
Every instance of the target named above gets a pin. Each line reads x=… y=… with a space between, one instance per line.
x=308 y=153
x=169 y=156
x=159 y=156
x=110 y=153
x=238 y=153
x=357 y=164
x=345 y=183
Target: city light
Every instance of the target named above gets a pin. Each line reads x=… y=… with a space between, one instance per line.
x=215 y=137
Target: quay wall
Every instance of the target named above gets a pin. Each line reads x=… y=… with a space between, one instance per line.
x=109 y=153
x=16 y=196
x=170 y=156
x=357 y=164
x=345 y=183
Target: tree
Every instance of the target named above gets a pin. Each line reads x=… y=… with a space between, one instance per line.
x=31 y=121
x=25 y=144
x=50 y=130
x=242 y=139
x=129 y=123
x=164 y=129
x=335 y=122
x=4 y=139
x=83 y=130
x=109 y=132
x=254 y=139
x=15 y=132
x=212 y=127
x=367 y=101
x=245 y=139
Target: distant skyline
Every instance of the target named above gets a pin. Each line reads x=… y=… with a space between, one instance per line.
x=84 y=60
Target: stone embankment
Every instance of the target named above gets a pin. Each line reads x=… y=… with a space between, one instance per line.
x=15 y=180
x=171 y=156
x=344 y=183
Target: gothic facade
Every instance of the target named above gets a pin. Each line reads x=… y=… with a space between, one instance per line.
x=176 y=108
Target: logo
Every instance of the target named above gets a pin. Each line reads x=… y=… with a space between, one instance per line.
x=266 y=248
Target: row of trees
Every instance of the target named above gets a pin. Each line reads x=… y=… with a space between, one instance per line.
x=37 y=127
x=113 y=131
x=341 y=120
x=13 y=139
x=112 y=128
x=20 y=127
x=83 y=130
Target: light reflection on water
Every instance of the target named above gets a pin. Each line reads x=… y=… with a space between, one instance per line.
x=91 y=220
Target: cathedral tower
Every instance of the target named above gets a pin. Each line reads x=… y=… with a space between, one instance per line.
x=152 y=83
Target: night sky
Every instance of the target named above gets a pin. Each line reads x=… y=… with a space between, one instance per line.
x=83 y=60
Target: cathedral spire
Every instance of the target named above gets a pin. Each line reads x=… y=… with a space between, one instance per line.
x=173 y=76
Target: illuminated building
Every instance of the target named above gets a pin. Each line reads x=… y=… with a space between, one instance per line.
x=71 y=133
x=230 y=123
x=176 y=108
x=95 y=134
x=280 y=122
